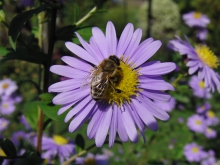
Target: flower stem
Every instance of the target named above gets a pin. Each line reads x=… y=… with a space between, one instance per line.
x=86 y=16
x=180 y=76
x=52 y=29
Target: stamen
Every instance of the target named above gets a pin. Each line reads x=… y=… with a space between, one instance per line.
x=59 y=140
x=197 y=15
x=202 y=84
x=5 y=85
x=128 y=85
x=210 y=114
x=207 y=56
x=195 y=149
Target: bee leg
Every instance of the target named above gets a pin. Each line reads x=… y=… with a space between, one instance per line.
x=118 y=90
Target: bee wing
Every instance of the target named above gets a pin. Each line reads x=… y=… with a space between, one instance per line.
x=88 y=79
x=101 y=86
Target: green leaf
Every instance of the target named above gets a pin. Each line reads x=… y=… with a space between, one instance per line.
x=46 y=96
x=75 y=12
x=31 y=158
x=4 y=51
x=51 y=110
x=30 y=111
x=80 y=142
x=19 y=20
x=8 y=147
x=25 y=55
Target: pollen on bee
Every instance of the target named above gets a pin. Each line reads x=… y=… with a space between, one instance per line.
x=128 y=85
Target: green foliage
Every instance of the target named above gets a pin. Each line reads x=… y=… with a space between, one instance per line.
x=8 y=147
x=80 y=142
x=30 y=158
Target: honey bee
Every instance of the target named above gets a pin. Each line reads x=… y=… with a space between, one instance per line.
x=107 y=74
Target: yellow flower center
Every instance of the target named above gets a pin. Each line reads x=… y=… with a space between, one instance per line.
x=195 y=149
x=198 y=122
x=202 y=84
x=59 y=140
x=89 y=161
x=210 y=114
x=207 y=56
x=128 y=85
x=5 y=105
x=5 y=85
x=209 y=130
x=2 y=153
x=197 y=15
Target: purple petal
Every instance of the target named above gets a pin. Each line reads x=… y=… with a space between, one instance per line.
x=125 y=39
x=68 y=71
x=80 y=52
x=81 y=117
x=100 y=39
x=193 y=69
x=94 y=123
x=191 y=63
x=158 y=68
x=113 y=128
x=136 y=38
x=147 y=52
x=66 y=106
x=65 y=85
x=156 y=85
x=145 y=115
x=111 y=38
x=71 y=96
x=121 y=129
x=103 y=127
x=155 y=110
x=94 y=45
x=86 y=102
x=129 y=125
x=89 y=49
x=156 y=95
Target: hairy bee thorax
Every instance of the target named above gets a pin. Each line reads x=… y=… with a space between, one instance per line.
x=123 y=82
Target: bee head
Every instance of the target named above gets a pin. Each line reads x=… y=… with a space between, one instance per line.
x=115 y=59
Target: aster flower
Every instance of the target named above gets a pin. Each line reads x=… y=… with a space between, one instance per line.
x=194 y=153
x=7 y=107
x=93 y=159
x=130 y=103
x=210 y=159
x=210 y=133
x=57 y=146
x=7 y=87
x=3 y=124
x=23 y=121
x=29 y=3
x=167 y=106
x=202 y=34
x=196 y=123
x=211 y=118
x=196 y=19
x=204 y=108
x=18 y=136
x=200 y=59
x=198 y=87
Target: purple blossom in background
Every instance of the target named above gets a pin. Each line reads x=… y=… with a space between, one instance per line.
x=202 y=34
x=210 y=133
x=23 y=121
x=7 y=107
x=107 y=152
x=57 y=146
x=198 y=87
x=203 y=109
x=7 y=87
x=200 y=59
x=167 y=106
x=3 y=124
x=196 y=19
x=196 y=123
x=210 y=159
x=180 y=120
x=29 y=3
x=18 y=136
x=194 y=152
x=211 y=119
x=93 y=159
x=115 y=112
